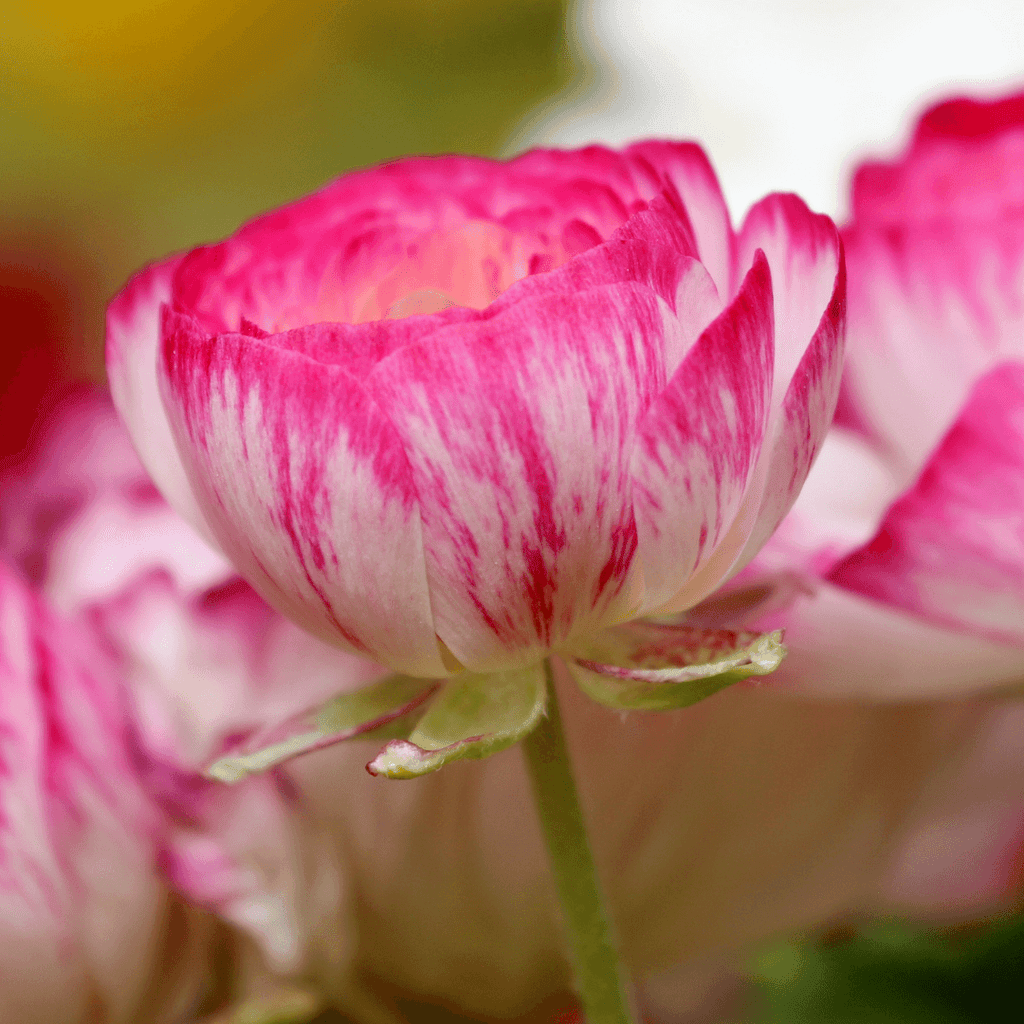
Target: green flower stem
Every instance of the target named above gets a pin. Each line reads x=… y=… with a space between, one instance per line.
x=599 y=976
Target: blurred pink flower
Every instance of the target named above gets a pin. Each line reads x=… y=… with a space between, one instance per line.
x=458 y=409
x=117 y=693
x=900 y=571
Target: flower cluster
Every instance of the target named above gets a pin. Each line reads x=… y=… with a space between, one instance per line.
x=449 y=421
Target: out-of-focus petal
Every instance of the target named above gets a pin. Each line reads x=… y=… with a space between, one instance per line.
x=963 y=164
x=839 y=508
x=951 y=549
x=841 y=644
x=694 y=459
x=301 y=474
x=80 y=901
x=932 y=307
x=519 y=429
x=133 y=341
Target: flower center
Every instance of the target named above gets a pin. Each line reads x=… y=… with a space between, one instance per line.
x=417 y=303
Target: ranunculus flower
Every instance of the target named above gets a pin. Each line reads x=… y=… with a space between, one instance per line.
x=455 y=414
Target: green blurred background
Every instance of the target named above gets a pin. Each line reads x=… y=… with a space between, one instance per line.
x=133 y=128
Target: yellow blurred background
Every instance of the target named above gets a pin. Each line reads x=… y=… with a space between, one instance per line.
x=133 y=128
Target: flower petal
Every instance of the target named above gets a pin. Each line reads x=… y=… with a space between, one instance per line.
x=805 y=256
x=690 y=171
x=473 y=716
x=699 y=442
x=799 y=427
x=519 y=429
x=133 y=340
x=963 y=164
x=844 y=645
x=661 y=666
x=922 y=297
x=343 y=718
x=301 y=475
x=951 y=549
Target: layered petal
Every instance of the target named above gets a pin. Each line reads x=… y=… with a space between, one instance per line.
x=951 y=548
x=694 y=460
x=688 y=169
x=519 y=430
x=809 y=285
x=133 y=341
x=301 y=474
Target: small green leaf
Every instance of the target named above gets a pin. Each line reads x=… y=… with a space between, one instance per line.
x=473 y=716
x=368 y=710
x=652 y=666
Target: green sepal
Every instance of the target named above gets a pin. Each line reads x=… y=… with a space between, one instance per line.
x=374 y=711
x=649 y=666
x=473 y=716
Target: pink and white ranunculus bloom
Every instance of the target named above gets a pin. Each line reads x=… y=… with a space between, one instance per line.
x=107 y=716
x=457 y=414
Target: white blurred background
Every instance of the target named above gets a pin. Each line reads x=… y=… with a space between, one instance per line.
x=783 y=94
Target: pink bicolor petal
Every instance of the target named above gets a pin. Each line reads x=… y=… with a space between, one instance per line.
x=688 y=169
x=805 y=255
x=963 y=163
x=951 y=549
x=133 y=340
x=301 y=475
x=846 y=494
x=844 y=645
x=519 y=429
x=80 y=902
x=694 y=460
x=932 y=308
x=799 y=427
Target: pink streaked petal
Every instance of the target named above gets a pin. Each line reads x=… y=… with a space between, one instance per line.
x=699 y=442
x=839 y=508
x=133 y=340
x=963 y=164
x=690 y=172
x=519 y=429
x=805 y=256
x=951 y=549
x=937 y=295
x=800 y=426
x=301 y=474
x=843 y=645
